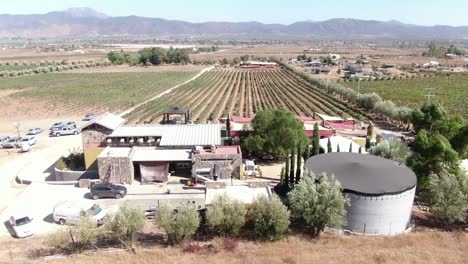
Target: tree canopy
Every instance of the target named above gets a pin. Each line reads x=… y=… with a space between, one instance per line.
x=318 y=204
x=436 y=134
x=393 y=149
x=275 y=131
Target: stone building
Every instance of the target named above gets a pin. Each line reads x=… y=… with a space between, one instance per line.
x=150 y=153
x=94 y=135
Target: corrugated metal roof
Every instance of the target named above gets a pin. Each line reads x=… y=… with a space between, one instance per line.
x=107 y=120
x=175 y=135
x=162 y=155
x=115 y=152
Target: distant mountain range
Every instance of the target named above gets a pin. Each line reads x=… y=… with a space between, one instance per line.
x=86 y=22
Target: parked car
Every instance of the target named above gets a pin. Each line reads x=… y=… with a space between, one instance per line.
x=11 y=142
x=71 y=124
x=108 y=190
x=88 y=117
x=30 y=140
x=70 y=212
x=56 y=125
x=62 y=131
x=3 y=139
x=34 y=131
x=21 y=226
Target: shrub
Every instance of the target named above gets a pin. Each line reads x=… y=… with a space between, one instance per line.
x=368 y=101
x=126 y=223
x=271 y=218
x=318 y=204
x=393 y=149
x=76 y=238
x=59 y=239
x=226 y=215
x=449 y=196
x=180 y=223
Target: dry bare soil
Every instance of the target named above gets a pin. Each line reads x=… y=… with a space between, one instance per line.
x=418 y=247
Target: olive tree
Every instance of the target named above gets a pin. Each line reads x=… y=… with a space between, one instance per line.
x=393 y=149
x=271 y=218
x=449 y=196
x=319 y=203
x=75 y=238
x=179 y=223
x=126 y=223
x=226 y=215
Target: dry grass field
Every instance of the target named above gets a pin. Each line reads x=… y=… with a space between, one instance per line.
x=418 y=247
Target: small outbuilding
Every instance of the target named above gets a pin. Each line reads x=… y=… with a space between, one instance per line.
x=381 y=191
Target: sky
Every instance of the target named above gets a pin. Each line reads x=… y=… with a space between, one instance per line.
x=420 y=12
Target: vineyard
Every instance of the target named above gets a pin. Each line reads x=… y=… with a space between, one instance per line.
x=78 y=93
x=451 y=91
x=242 y=92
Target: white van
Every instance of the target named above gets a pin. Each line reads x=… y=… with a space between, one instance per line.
x=70 y=212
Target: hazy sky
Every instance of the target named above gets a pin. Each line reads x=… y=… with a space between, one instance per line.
x=422 y=12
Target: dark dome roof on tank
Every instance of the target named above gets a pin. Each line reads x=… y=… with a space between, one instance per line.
x=363 y=173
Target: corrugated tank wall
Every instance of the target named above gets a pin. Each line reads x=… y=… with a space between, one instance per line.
x=382 y=215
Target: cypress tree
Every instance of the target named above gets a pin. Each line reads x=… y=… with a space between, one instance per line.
x=292 y=170
x=329 y=146
x=282 y=176
x=338 y=148
x=286 y=172
x=228 y=129
x=316 y=141
x=306 y=155
x=351 y=147
x=368 y=143
x=299 y=165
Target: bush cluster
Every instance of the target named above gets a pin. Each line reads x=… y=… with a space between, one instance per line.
x=53 y=68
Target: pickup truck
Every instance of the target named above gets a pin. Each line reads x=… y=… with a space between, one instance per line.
x=62 y=131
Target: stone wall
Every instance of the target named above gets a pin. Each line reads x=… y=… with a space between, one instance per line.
x=95 y=135
x=122 y=172
x=230 y=163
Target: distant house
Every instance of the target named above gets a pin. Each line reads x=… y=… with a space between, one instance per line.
x=258 y=65
x=334 y=57
x=353 y=70
x=319 y=70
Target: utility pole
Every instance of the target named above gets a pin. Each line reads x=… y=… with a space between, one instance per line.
x=429 y=95
x=17 y=125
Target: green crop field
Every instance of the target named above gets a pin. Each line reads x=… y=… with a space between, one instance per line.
x=110 y=91
x=451 y=91
x=16 y=67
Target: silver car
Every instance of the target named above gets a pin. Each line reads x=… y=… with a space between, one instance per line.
x=12 y=142
x=34 y=131
x=3 y=139
x=62 y=131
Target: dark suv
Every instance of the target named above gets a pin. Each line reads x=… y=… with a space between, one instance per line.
x=108 y=190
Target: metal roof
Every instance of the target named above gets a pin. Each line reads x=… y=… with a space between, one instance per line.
x=175 y=135
x=364 y=174
x=145 y=154
x=107 y=120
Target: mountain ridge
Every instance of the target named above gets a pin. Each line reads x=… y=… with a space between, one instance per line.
x=86 y=22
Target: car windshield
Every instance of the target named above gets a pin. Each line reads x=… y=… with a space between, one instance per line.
x=25 y=139
x=22 y=221
x=94 y=210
